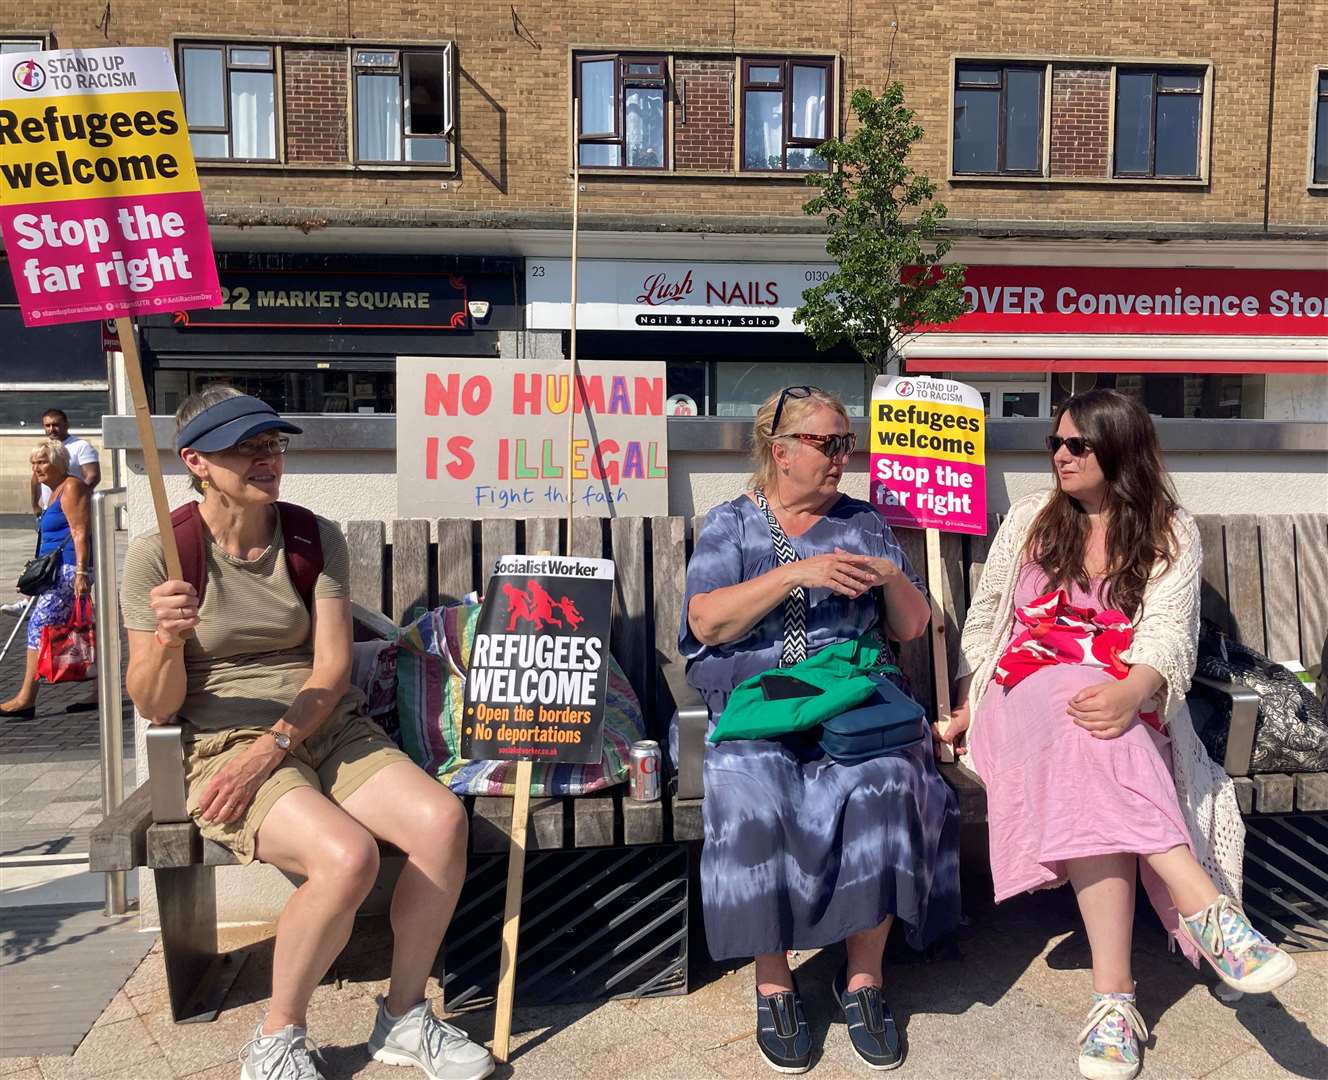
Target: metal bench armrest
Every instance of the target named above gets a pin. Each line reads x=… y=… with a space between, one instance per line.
x=1244 y=713
x=693 y=720
x=166 y=780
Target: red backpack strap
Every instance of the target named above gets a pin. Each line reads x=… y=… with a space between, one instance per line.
x=187 y=524
x=304 y=548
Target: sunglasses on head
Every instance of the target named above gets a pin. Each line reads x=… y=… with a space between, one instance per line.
x=784 y=395
x=1076 y=445
x=832 y=446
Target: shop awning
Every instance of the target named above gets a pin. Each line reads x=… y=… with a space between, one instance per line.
x=1124 y=353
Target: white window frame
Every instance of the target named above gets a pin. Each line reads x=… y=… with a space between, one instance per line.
x=995 y=387
x=399 y=64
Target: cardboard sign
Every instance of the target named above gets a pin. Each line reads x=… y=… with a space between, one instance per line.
x=482 y=438
x=928 y=454
x=538 y=674
x=99 y=200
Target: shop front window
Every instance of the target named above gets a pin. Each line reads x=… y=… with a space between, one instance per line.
x=741 y=389
x=21 y=410
x=1177 y=397
x=307 y=391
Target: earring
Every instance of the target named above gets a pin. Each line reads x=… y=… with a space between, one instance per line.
x=204 y=485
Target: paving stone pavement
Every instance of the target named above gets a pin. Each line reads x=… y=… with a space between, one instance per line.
x=50 y=771
x=1006 y=1002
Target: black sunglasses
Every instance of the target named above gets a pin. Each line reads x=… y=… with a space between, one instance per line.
x=784 y=395
x=832 y=446
x=1076 y=445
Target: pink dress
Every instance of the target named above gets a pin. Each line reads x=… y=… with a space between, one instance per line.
x=1054 y=792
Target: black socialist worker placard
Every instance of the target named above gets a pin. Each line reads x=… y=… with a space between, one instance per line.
x=538 y=673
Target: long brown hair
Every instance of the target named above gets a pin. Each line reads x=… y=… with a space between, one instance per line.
x=1140 y=504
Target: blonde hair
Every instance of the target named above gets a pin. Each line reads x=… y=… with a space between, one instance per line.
x=54 y=450
x=195 y=404
x=796 y=410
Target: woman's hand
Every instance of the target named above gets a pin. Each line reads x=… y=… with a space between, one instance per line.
x=81 y=586
x=880 y=571
x=1105 y=711
x=840 y=572
x=952 y=731
x=229 y=793
x=175 y=605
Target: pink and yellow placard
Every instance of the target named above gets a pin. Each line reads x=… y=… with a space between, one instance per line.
x=928 y=454
x=99 y=199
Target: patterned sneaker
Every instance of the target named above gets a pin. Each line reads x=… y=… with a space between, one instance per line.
x=419 y=1038
x=872 y=1030
x=286 y=1055
x=1109 y=1043
x=1242 y=957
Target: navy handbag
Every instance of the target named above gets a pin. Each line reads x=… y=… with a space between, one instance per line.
x=890 y=721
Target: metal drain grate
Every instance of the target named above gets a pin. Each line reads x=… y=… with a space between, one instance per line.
x=1286 y=878
x=595 y=923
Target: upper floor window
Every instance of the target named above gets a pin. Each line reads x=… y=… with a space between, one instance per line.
x=1319 y=172
x=230 y=101
x=18 y=44
x=1159 y=115
x=786 y=110
x=998 y=119
x=623 y=101
x=404 y=106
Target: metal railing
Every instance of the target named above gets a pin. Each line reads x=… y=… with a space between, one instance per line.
x=110 y=706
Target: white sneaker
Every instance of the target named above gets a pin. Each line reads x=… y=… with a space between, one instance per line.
x=419 y=1038
x=16 y=608
x=286 y=1055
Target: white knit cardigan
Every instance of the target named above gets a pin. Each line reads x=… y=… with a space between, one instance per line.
x=1166 y=633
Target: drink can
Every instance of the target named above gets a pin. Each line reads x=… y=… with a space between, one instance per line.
x=643 y=769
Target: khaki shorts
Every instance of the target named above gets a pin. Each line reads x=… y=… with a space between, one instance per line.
x=340 y=756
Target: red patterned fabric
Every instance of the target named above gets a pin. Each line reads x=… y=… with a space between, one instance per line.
x=1058 y=632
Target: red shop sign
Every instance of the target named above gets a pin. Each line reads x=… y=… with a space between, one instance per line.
x=1133 y=300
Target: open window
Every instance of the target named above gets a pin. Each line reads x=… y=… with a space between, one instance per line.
x=404 y=106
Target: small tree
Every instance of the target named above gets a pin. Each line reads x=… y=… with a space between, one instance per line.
x=867 y=197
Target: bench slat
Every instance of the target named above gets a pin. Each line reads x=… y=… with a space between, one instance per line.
x=1277 y=544
x=1244 y=589
x=543 y=534
x=173 y=845
x=1312 y=561
x=630 y=618
x=456 y=556
x=410 y=567
x=366 y=540
x=1213 y=592
x=915 y=655
x=688 y=823
x=497 y=538
x=119 y=840
x=1274 y=793
x=670 y=572
x=1312 y=792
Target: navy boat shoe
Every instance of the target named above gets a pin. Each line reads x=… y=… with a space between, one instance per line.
x=782 y=1033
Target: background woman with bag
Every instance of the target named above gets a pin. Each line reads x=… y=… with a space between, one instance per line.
x=802 y=851
x=65 y=529
x=1079 y=786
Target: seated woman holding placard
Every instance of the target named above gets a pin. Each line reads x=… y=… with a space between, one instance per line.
x=802 y=851
x=283 y=764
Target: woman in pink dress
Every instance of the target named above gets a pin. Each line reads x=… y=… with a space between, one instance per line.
x=1079 y=788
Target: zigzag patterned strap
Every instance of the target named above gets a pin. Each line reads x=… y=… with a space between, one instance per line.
x=795 y=604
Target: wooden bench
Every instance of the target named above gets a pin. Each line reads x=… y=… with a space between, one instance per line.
x=1259 y=599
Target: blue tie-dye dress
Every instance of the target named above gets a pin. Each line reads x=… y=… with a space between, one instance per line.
x=800 y=851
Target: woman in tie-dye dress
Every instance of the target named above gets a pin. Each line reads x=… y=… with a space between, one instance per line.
x=800 y=851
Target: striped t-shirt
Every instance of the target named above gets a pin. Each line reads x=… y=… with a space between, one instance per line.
x=251 y=652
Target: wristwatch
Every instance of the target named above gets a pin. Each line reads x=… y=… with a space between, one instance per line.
x=281 y=739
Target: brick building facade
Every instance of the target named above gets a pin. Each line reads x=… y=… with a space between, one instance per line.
x=1137 y=134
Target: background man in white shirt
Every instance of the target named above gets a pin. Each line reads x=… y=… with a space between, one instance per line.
x=82 y=456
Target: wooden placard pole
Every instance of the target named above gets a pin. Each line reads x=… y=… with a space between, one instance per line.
x=516 y=856
x=138 y=396
x=939 y=655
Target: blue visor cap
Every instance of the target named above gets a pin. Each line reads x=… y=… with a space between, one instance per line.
x=229 y=422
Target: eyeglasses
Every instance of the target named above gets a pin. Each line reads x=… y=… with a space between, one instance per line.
x=784 y=395
x=253 y=448
x=1077 y=446
x=832 y=446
